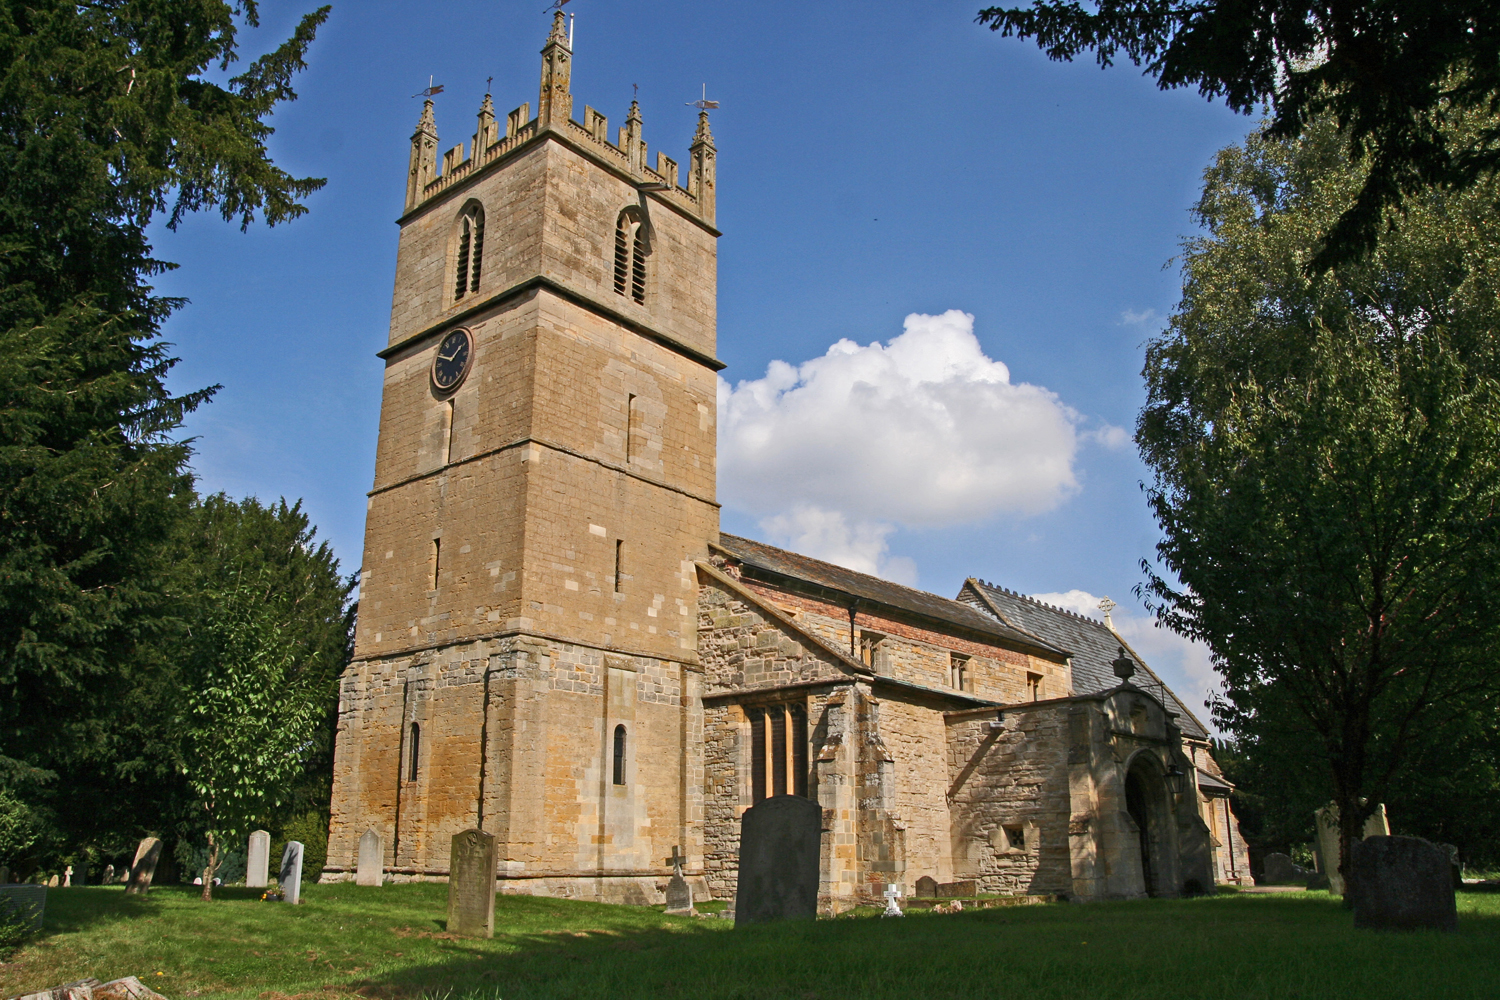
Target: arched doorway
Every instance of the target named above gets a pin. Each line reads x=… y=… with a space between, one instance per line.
x=1146 y=802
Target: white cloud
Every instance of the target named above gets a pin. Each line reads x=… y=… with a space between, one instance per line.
x=1183 y=664
x=924 y=430
x=1145 y=318
x=1109 y=436
x=827 y=534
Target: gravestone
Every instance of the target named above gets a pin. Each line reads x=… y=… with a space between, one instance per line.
x=1282 y=870
x=143 y=869
x=1403 y=884
x=679 y=893
x=26 y=902
x=81 y=875
x=258 y=860
x=471 y=884
x=927 y=887
x=892 y=894
x=779 y=865
x=109 y=875
x=958 y=890
x=371 y=859
x=1327 y=823
x=291 y=872
x=68 y=877
x=4 y=875
x=52 y=882
x=1458 y=866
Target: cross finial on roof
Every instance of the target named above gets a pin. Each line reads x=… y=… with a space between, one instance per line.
x=1106 y=605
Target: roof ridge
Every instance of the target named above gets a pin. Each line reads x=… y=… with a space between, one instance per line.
x=846 y=569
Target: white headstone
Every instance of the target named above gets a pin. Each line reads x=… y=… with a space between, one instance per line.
x=291 y=872
x=371 y=859
x=258 y=860
x=892 y=893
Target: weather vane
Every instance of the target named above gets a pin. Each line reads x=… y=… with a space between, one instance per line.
x=431 y=89
x=557 y=5
x=488 y=81
x=703 y=103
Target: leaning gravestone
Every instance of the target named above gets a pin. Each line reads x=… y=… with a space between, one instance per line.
x=291 y=872
x=471 y=884
x=24 y=902
x=109 y=875
x=927 y=887
x=779 y=864
x=679 y=893
x=1403 y=884
x=371 y=859
x=258 y=860
x=143 y=869
x=1327 y=823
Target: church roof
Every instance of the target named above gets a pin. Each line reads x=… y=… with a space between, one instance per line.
x=780 y=563
x=1093 y=644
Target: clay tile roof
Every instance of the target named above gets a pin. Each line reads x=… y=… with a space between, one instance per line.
x=1094 y=647
x=767 y=559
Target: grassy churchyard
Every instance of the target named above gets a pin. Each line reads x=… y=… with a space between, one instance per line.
x=390 y=942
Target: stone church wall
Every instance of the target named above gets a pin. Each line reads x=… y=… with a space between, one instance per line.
x=1015 y=778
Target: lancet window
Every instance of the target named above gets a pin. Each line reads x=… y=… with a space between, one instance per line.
x=778 y=751
x=630 y=255
x=470 y=251
x=619 y=755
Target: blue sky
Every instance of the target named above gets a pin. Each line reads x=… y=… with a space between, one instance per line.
x=876 y=161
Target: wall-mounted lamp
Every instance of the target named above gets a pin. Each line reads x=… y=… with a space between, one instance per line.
x=1176 y=778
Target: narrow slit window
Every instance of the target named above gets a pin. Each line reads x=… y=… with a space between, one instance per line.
x=799 y=750
x=470 y=251
x=778 y=752
x=416 y=752
x=619 y=755
x=629 y=427
x=757 y=754
x=437 y=556
x=619 y=563
x=630 y=255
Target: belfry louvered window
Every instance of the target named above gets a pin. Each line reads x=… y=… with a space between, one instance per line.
x=630 y=255
x=778 y=751
x=470 y=251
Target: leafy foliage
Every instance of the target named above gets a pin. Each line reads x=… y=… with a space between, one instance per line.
x=1391 y=75
x=108 y=118
x=1326 y=459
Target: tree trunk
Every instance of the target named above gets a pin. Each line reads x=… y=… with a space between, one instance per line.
x=213 y=866
x=1351 y=826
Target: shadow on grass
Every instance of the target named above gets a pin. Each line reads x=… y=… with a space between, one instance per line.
x=1149 y=948
x=81 y=907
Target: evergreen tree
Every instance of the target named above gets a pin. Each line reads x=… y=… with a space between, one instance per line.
x=108 y=119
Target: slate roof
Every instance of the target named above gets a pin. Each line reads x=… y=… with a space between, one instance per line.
x=780 y=562
x=1093 y=644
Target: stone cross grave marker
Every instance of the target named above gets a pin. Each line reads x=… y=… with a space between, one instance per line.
x=892 y=894
x=68 y=877
x=1402 y=884
x=471 y=884
x=679 y=893
x=779 y=865
x=291 y=872
x=143 y=869
x=371 y=859
x=258 y=860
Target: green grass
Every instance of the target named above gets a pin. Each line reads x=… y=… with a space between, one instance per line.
x=346 y=940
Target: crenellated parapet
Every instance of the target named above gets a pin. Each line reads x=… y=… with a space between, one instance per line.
x=627 y=155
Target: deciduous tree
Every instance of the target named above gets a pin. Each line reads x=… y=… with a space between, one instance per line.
x=1326 y=460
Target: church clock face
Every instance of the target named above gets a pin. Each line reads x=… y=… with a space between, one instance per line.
x=452 y=361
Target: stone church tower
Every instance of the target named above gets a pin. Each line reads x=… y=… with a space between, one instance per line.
x=544 y=486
